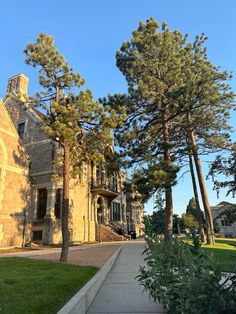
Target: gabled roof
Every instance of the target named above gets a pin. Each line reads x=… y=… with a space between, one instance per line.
x=3 y=109
x=36 y=115
x=10 y=125
x=223 y=204
x=41 y=115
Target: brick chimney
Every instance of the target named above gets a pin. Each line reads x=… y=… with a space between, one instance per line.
x=18 y=84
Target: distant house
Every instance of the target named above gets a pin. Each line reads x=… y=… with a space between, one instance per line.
x=14 y=183
x=221 y=214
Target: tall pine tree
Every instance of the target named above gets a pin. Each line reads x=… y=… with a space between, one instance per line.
x=153 y=64
x=79 y=124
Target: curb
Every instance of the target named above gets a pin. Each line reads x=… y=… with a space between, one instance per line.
x=82 y=300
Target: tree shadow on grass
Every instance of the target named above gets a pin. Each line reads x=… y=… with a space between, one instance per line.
x=228 y=241
x=224 y=257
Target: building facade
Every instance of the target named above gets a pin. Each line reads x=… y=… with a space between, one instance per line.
x=135 y=210
x=14 y=183
x=97 y=202
x=220 y=216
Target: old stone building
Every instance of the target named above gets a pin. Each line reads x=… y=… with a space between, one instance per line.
x=97 y=203
x=14 y=183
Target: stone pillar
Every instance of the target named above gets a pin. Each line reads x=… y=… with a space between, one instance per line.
x=124 y=222
x=50 y=216
x=51 y=198
x=105 y=211
x=34 y=203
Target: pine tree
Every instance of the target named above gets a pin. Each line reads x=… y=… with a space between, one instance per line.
x=152 y=63
x=209 y=99
x=79 y=124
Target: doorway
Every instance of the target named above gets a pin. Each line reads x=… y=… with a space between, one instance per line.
x=100 y=210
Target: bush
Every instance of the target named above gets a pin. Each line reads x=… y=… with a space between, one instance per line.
x=185 y=279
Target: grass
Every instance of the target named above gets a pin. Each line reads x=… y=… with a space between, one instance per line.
x=35 y=286
x=224 y=253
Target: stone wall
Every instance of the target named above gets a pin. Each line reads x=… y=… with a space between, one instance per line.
x=37 y=144
x=14 y=184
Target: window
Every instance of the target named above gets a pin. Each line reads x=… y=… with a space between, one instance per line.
x=37 y=235
x=42 y=203
x=224 y=222
x=116 y=211
x=58 y=204
x=228 y=235
x=21 y=129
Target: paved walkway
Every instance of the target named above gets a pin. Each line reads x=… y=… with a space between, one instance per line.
x=121 y=292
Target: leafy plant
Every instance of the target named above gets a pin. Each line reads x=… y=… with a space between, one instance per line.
x=183 y=278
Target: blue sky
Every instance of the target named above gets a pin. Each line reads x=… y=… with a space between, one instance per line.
x=89 y=32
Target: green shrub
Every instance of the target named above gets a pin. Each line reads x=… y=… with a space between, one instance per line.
x=183 y=278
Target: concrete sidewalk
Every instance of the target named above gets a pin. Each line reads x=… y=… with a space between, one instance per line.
x=121 y=292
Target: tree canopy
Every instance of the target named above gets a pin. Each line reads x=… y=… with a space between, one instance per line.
x=226 y=166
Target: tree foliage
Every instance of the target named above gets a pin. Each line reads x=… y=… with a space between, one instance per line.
x=225 y=166
x=154 y=178
x=73 y=116
x=192 y=209
x=188 y=221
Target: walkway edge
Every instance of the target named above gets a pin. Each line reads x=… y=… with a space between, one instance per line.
x=81 y=301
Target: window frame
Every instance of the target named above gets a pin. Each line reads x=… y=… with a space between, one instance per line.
x=21 y=133
x=40 y=212
x=58 y=203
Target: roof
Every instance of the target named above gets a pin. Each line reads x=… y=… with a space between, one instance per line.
x=223 y=204
x=221 y=207
x=39 y=113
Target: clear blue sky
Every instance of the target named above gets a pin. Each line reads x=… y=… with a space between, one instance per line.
x=89 y=32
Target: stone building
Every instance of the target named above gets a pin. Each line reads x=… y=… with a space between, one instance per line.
x=97 y=203
x=219 y=214
x=134 y=213
x=14 y=183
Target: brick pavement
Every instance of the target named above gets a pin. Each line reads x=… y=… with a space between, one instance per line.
x=84 y=255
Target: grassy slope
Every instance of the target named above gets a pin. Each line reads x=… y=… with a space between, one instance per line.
x=34 y=286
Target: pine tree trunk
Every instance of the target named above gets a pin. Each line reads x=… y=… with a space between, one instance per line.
x=207 y=208
x=201 y=228
x=65 y=205
x=168 y=189
x=169 y=214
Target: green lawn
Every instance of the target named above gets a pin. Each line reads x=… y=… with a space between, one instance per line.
x=35 y=286
x=224 y=252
